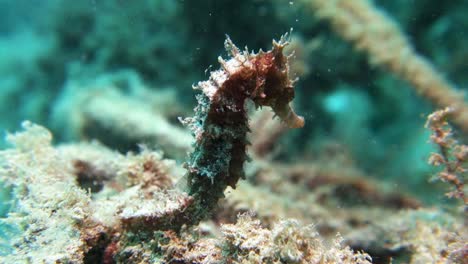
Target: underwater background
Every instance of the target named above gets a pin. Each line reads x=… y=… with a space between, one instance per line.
x=119 y=74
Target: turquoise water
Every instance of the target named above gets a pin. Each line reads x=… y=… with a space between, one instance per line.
x=78 y=68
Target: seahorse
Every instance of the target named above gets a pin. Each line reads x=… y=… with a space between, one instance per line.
x=220 y=124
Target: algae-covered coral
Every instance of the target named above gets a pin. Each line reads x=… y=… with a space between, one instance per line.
x=106 y=172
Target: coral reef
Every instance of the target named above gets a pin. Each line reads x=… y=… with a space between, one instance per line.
x=85 y=195
x=113 y=208
x=143 y=205
x=122 y=180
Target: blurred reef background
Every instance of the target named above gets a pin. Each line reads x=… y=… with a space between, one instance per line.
x=109 y=80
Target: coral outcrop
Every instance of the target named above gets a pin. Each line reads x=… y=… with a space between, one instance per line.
x=84 y=203
x=87 y=203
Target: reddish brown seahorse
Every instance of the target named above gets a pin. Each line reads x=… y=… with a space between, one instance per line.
x=220 y=123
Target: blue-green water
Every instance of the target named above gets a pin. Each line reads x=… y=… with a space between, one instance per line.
x=54 y=53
